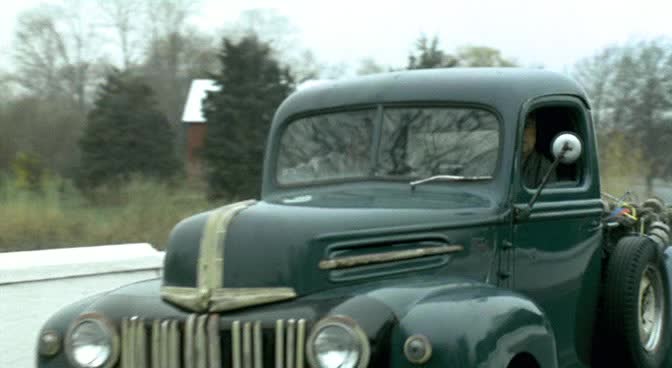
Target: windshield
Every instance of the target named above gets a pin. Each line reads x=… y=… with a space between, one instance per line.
x=413 y=143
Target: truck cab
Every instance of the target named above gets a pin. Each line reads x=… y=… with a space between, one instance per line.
x=425 y=218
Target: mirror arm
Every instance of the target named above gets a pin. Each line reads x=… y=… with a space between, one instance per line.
x=544 y=182
x=524 y=212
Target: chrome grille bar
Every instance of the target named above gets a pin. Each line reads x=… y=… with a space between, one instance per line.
x=196 y=343
x=201 y=342
x=134 y=331
x=189 y=346
x=214 y=347
x=258 y=347
x=300 y=342
x=140 y=343
x=124 y=344
x=163 y=344
x=279 y=343
x=129 y=344
x=291 y=325
x=247 y=345
x=134 y=343
x=156 y=351
x=174 y=338
x=235 y=344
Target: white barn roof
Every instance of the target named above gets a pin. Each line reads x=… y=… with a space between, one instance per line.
x=198 y=90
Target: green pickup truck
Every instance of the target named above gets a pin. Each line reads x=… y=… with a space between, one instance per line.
x=434 y=218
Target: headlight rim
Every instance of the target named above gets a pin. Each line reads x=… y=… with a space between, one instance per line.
x=105 y=324
x=351 y=326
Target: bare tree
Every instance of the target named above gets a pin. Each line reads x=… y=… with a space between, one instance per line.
x=596 y=75
x=57 y=59
x=56 y=52
x=306 y=66
x=171 y=64
x=270 y=26
x=283 y=36
x=166 y=17
x=631 y=89
x=39 y=53
x=171 y=51
x=125 y=18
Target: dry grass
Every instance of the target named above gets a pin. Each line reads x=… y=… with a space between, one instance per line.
x=141 y=211
x=59 y=216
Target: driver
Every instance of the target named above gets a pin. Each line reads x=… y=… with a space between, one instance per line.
x=535 y=163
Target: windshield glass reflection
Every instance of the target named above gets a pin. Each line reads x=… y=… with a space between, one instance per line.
x=413 y=143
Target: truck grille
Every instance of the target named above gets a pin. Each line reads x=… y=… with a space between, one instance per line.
x=202 y=341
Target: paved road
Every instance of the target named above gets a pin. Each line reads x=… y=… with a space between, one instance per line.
x=34 y=285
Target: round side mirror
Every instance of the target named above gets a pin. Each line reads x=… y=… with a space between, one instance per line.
x=567 y=147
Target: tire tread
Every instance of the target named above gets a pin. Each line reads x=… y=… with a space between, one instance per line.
x=620 y=322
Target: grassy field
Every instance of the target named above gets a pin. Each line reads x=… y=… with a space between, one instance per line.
x=141 y=211
x=60 y=216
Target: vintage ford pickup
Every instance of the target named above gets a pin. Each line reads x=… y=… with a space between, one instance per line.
x=435 y=218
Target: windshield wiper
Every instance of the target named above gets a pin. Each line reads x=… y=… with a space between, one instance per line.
x=447 y=178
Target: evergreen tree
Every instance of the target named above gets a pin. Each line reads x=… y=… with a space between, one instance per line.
x=126 y=135
x=252 y=85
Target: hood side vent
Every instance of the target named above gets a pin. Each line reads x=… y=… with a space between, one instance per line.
x=347 y=261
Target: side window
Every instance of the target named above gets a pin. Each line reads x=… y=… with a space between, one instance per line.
x=541 y=126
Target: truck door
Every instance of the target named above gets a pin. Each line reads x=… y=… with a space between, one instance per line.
x=557 y=247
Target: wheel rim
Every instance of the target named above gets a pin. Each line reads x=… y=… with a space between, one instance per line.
x=650 y=308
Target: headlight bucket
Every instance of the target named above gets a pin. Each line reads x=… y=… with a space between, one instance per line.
x=87 y=333
x=348 y=329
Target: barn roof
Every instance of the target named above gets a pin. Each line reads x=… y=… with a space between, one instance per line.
x=193 y=112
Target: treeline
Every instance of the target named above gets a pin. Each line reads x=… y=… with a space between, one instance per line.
x=97 y=89
x=630 y=87
x=63 y=53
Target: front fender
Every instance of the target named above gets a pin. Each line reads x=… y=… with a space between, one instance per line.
x=476 y=326
x=59 y=323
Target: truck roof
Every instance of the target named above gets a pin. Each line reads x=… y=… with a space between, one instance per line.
x=501 y=88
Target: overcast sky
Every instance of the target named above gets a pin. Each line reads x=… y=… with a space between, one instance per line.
x=554 y=34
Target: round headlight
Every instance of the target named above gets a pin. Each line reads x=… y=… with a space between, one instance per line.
x=338 y=342
x=92 y=342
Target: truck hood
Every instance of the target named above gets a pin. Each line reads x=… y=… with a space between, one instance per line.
x=279 y=245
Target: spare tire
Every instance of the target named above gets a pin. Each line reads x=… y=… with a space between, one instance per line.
x=635 y=306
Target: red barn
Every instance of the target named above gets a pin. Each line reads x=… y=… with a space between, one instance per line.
x=194 y=123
